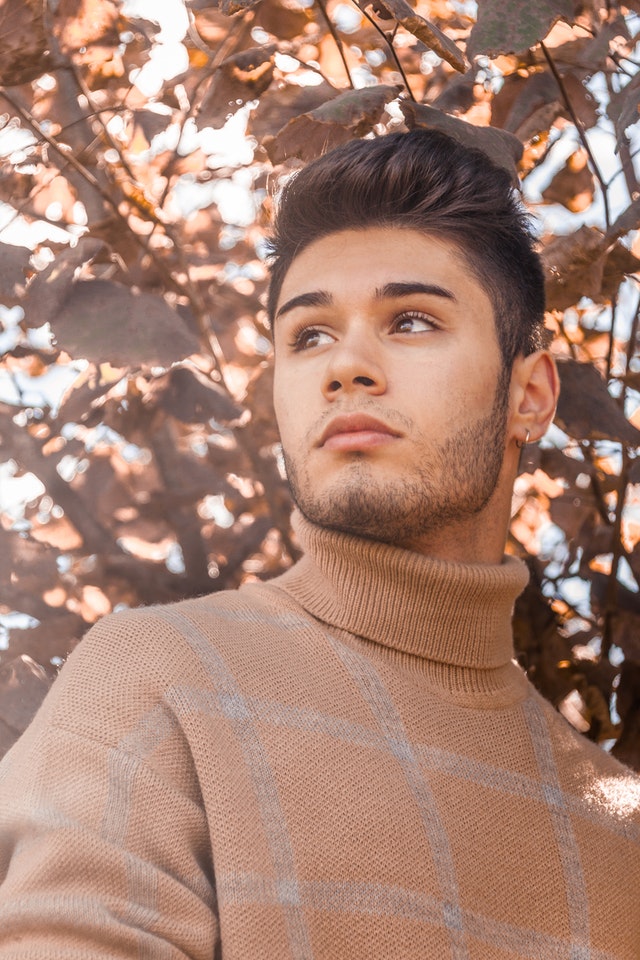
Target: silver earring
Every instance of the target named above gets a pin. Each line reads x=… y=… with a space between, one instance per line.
x=522 y=443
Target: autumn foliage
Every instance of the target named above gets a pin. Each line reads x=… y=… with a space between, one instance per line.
x=139 y=460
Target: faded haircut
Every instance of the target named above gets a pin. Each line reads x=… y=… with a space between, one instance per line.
x=423 y=180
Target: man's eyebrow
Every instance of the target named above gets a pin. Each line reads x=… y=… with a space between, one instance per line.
x=316 y=298
x=321 y=298
x=414 y=286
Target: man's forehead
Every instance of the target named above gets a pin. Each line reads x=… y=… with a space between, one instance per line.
x=381 y=261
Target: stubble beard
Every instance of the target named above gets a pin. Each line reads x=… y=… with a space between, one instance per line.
x=453 y=482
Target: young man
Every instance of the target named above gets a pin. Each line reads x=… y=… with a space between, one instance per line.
x=345 y=762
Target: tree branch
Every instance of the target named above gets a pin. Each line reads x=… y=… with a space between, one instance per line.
x=337 y=40
x=581 y=133
x=611 y=606
x=392 y=49
x=27 y=451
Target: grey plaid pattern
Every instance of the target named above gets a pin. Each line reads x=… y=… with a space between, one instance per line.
x=574 y=878
x=235 y=710
x=383 y=709
x=377 y=900
x=155 y=727
x=256 y=812
x=415 y=760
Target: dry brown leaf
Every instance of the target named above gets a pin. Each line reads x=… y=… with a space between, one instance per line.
x=186 y=395
x=573 y=185
x=24 y=53
x=82 y=23
x=574 y=266
x=283 y=103
x=586 y=409
x=525 y=24
x=23 y=686
x=503 y=148
x=349 y=115
x=49 y=289
x=424 y=30
x=14 y=264
x=104 y=321
x=244 y=76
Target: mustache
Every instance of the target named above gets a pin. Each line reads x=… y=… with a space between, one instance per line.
x=388 y=415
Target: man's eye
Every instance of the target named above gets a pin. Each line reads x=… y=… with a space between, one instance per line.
x=413 y=323
x=309 y=337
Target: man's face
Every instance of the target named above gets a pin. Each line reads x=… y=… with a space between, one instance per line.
x=388 y=391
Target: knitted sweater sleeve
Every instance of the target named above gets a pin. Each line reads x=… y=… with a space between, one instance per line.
x=91 y=861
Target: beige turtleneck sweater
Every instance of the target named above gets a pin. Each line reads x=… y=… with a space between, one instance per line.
x=343 y=763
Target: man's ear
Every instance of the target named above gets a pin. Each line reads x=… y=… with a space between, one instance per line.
x=535 y=386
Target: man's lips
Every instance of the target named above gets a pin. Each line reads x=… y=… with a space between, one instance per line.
x=355 y=431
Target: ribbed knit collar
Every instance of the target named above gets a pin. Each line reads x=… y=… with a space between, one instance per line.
x=450 y=613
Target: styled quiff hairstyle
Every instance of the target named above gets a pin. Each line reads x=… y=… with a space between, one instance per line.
x=426 y=181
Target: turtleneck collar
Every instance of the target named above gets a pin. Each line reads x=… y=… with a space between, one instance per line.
x=447 y=613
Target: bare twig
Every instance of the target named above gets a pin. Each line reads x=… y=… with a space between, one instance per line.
x=392 y=49
x=182 y=516
x=24 y=205
x=309 y=66
x=618 y=550
x=563 y=331
x=612 y=330
x=97 y=114
x=67 y=156
x=590 y=457
x=626 y=158
x=581 y=133
x=234 y=37
x=191 y=290
x=28 y=451
x=338 y=42
x=201 y=313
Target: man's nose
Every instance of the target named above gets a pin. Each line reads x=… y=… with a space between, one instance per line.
x=352 y=366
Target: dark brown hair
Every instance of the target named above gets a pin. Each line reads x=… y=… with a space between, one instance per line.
x=429 y=182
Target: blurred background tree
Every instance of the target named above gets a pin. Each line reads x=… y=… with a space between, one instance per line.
x=140 y=147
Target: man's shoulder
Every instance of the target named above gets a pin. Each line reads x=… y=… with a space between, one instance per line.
x=130 y=659
x=591 y=780
x=163 y=633
x=224 y=614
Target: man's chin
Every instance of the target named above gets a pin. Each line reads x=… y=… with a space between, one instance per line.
x=371 y=513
